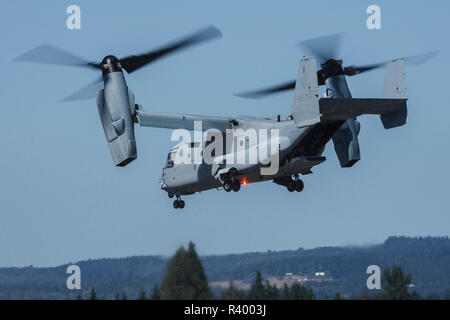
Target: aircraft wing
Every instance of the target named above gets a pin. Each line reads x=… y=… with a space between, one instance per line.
x=182 y=121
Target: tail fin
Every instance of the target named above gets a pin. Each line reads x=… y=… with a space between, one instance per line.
x=305 y=109
x=395 y=88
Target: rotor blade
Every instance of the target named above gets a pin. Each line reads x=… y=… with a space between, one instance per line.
x=421 y=58
x=323 y=48
x=414 y=60
x=354 y=70
x=87 y=92
x=132 y=63
x=267 y=91
x=52 y=55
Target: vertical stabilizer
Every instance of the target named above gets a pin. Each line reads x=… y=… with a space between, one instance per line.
x=395 y=88
x=305 y=109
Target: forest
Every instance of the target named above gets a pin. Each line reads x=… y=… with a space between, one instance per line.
x=422 y=264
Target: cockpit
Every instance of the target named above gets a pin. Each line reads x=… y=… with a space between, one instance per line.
x=173 y=153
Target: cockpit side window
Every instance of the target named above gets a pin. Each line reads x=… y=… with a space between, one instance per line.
x=179 y=152
x=169 y=163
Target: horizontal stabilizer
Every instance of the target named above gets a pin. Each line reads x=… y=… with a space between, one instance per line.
x=345 y=108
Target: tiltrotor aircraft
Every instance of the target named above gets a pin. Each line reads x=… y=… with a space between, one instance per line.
x=301 y=136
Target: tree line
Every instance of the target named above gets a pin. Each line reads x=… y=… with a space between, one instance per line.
x=185 y=279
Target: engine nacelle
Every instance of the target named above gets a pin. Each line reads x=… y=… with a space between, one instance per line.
x=346 y=143
x=116 y=114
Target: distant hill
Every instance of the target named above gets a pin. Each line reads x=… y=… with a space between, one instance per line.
x=427 y=259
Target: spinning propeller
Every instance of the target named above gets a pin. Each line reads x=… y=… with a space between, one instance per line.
x=325 y=49
x=51 y=55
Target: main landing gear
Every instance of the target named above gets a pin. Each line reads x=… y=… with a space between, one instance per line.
x=177 y=203
x=232 y=183
x=295 y=185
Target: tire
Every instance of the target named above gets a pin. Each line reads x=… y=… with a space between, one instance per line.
x=228 y=187
x=236 y=186
x=299 y=186
x=291 y=187
x=181 y=204
x=175 y=204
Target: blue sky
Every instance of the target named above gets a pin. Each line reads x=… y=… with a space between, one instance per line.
x=62 y=200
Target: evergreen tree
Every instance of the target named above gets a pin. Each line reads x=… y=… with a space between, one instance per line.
x=156 y=293
x=286 y=292
x=396 y=284
x=185 y=277
x=337 y=296
x=272 y=292
x=257 y=290
x=415 y=296
x=142 y=295
x=300 y=292
x=93 y=295
x=232 y=293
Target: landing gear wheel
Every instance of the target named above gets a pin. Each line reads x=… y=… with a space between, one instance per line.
x=181 y=204
x=299 y=186
x=236 y=184
x=291 y=186
x=227 y=186
x=230 y=181
x=176 y=204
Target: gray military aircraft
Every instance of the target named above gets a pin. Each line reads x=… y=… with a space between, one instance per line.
x=300 y=137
